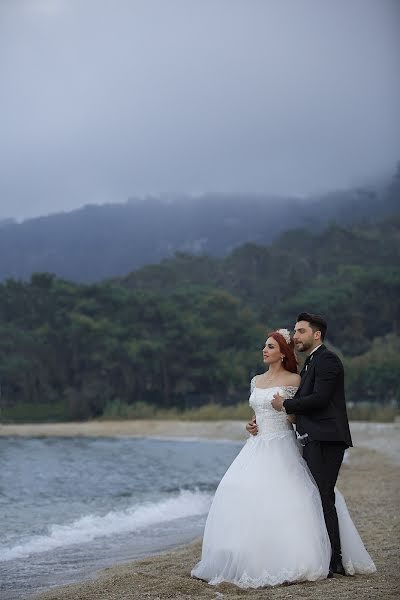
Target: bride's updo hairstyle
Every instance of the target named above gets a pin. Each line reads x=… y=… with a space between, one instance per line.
x=289 y=358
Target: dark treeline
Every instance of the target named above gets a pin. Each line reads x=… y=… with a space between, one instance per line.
x=189 y=331
x=83 y=346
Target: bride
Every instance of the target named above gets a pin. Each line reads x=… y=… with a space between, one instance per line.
x=266 y=524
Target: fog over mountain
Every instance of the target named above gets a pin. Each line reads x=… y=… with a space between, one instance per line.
x=101 y=102
x=96 y=242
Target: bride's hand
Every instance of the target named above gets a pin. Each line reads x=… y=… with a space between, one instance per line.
x=251 y=427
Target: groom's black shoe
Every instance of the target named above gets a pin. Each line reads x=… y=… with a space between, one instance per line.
x=336 y=567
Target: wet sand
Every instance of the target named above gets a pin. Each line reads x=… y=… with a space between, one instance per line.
x=370 y=481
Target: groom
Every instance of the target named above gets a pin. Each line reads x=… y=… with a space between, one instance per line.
x=321 y=419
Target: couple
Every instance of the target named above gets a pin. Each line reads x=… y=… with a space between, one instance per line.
x=276 y=516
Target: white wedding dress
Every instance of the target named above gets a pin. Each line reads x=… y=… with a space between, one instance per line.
x=266 y=525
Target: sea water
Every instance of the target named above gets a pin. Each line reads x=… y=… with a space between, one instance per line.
x=70 y=506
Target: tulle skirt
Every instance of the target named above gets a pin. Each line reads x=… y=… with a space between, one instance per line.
x=354 y=554
x=266 y=525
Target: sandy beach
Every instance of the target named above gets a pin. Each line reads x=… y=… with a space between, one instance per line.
x=370 y=481
x=142 y=427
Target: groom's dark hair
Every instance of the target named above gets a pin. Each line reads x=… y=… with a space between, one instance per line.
x=316 y=322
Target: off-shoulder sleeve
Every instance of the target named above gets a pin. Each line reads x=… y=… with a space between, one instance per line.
x=289 y=391
x=252 y=384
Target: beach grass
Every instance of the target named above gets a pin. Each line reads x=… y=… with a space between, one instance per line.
x=117 y=410
x=363 y=411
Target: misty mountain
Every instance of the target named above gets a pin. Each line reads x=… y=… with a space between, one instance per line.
x=98 y=242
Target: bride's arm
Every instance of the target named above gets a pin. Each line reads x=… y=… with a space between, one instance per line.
x=291 y=390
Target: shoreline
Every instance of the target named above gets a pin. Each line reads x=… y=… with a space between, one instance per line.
x=370 y=484
x=172 y=428
x=383 y=437
x=369 y=480
x=230 y=430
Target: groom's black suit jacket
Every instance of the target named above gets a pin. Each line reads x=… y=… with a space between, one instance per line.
x=319 y=403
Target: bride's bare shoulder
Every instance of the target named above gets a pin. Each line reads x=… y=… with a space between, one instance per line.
x=292 y=379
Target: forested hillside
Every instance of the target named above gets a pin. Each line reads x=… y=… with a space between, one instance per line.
x=190 y=330
x=350 y=274
x=96 y=242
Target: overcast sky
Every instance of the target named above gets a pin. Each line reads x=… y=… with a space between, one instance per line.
x=102 y=100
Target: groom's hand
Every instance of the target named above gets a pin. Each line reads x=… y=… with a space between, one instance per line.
x=277 y=402
x=251 y=427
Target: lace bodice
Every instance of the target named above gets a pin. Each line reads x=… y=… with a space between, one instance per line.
x=269 y=420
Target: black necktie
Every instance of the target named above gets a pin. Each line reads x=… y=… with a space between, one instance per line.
x=305 y=366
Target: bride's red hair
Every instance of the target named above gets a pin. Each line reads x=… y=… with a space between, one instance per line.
x=289 y=358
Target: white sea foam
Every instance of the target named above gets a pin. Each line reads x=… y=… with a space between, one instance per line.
x=84 y=530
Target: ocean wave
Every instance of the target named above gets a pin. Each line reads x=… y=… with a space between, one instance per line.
x=186 y=504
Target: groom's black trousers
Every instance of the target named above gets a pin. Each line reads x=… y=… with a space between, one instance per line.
x=324 y=460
